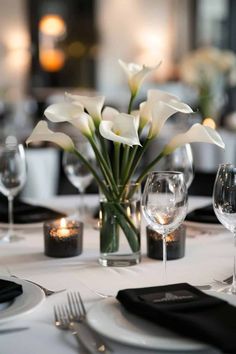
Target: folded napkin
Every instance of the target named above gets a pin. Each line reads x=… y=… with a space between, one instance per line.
x=204 y=215
x=9 y=290
x=26 y=213
x=186 y=311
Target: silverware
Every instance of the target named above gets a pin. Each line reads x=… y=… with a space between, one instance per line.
x=62 y=321
x=228 y=280
x=96 y=343
x=11 y=330
x=46 y=291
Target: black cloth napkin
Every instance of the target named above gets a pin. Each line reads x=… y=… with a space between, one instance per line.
x=187 y=311
x=203 y=215
x=9 y=290
x=25 y=213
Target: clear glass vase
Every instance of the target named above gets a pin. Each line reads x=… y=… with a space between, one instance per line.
x=120 y=225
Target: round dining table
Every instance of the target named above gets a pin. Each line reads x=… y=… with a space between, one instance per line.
x=208 y=256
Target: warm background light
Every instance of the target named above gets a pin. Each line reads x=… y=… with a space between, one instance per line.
x=52 y=60
x=209 y=122
x=52 y=25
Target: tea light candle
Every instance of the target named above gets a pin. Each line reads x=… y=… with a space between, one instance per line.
x=175 y=243
x=63 y=238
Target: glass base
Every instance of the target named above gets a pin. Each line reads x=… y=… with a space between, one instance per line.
x=231 y=290
x=10 y=237
x=119 y=260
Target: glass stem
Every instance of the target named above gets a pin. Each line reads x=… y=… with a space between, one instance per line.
x=164 y=258
x=234 y=268
x=10 y=215
x=82 y=206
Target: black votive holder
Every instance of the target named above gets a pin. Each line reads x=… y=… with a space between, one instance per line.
x=61 y=242
x=175 y=243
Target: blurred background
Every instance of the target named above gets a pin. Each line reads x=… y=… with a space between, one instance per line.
x=48 y=47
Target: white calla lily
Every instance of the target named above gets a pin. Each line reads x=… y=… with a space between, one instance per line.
x=93 y=104
x=63 y=112
x=197 y=133
x=109 y=113
x=136 y=74
x=71 y=113
x=42 y=133
x=84 y=123
x=122 y=129
x=162 y=111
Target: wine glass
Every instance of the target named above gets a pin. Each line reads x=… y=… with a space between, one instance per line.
x=224 y=204
x=181 y=159
x=164 y=204
x=12 y=179
x=76 y=171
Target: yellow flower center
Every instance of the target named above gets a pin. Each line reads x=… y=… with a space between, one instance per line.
x=117 y=132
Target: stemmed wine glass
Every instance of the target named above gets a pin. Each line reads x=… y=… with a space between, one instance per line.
x=77 y=173
x=164 y=204
x=181 y=159
x=224 y=204
x=12 y=179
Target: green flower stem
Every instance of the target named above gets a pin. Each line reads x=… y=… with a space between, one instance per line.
x=105 y=168
x=132 y=97
x=138 y=157
x=94 y=173
x=129 y=164
x=148 y=168
x=104 y=148
x=125 y=159
x=117 y=162
x=129 y=228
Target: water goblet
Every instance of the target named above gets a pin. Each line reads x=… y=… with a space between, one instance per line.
x=224 y=204
x=12 y=179
x=164 y=204
x=76 y=171
x=181 y=159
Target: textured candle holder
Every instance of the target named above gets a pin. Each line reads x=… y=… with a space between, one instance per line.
x=63 y=241
x=175 y=243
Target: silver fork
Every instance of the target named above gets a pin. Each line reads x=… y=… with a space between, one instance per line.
x=46 y=291
x=62 y=321
x=78 y=314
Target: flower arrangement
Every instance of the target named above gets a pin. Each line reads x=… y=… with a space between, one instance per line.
x=104 y=127
x=209 y=70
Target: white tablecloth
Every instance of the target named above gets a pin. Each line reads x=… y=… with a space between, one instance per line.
x=208 y=255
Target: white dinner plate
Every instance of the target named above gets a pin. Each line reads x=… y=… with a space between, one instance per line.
x=31 y=297
x=204 y=226
x=110 y=319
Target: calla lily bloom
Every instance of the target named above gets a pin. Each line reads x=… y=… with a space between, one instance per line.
x=71 y=113
x=122 y=129
x=197 y=133
x=162 y=111
x=63 y=112
x=158 y=108
x=84 y=123
x=109 y=113
x=136 y=74
x=42 y=133
x=93 y=105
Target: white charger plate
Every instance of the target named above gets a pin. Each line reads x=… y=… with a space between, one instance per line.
x=204 y=226
x=109 y=318
x=31 y=297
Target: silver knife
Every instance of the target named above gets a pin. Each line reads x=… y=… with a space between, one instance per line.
x=12 y=330
x=89 y=338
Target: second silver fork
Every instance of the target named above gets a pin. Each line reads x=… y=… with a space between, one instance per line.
x=78 y=315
